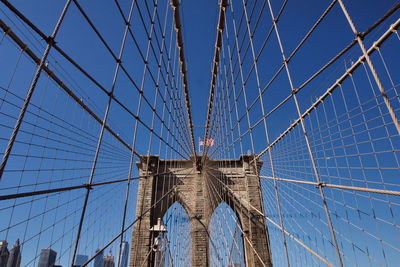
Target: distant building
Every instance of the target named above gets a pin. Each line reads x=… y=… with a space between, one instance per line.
x=14 y=259
x=3 y=253
x=109 y=261
x=124 y=254
x=98 y=261
x=81 y=259
x=47 y=257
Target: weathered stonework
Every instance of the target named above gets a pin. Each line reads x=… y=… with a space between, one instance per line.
x=199 y=190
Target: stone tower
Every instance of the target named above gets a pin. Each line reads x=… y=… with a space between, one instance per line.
x=195 y=186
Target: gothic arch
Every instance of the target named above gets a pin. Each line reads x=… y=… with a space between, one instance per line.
x=189 y=184
x=178 y=235
x=226 y=237
x=175 y=198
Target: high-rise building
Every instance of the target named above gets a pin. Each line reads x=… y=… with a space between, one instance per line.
x=80 y=260
x=3 y=253
x=47 y=257
x=109 y=261
x=98 y=261
x=14 y=259
x=124 y=254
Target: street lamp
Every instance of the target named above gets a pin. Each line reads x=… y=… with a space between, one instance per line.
x=158 y=231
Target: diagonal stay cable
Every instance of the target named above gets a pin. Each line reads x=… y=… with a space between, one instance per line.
x=140 y=217
x=32 y=87
x=334 y=59
x=245 y=204
x=29 y=52
x=328 y=92
x=61 y=189
x=73 y=62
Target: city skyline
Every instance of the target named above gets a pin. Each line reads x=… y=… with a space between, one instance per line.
x=47 y=257
x=124 y=254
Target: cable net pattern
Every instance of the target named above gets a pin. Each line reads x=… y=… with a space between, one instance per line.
x=323 y=120
x=308 y=91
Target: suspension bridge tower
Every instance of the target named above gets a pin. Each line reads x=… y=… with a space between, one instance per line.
x=200 y=186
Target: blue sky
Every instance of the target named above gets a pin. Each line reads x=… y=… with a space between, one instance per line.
x=338 y=156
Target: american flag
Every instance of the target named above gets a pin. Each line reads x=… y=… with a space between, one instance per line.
x=209 y=142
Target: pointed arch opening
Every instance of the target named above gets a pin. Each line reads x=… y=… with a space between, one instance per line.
x=226 y=238
x=175 y=247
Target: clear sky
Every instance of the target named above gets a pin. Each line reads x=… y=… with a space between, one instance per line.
x=43 y=159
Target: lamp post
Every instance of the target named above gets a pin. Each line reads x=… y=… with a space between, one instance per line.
x=158 y=231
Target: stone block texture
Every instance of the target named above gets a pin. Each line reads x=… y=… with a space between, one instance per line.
x=200 y=187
